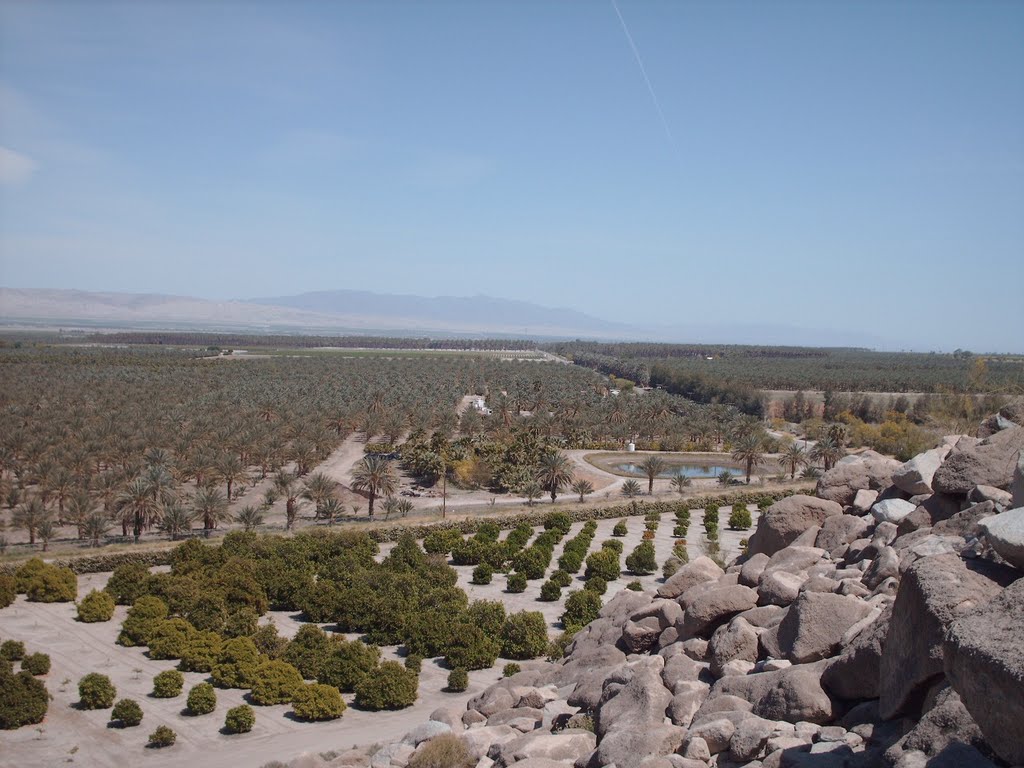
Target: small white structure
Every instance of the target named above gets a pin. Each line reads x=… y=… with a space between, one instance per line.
x=479 y=404
x=630 y=447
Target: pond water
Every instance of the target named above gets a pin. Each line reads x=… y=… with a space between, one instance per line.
x=689 y=470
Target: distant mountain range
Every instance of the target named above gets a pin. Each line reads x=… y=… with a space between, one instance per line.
x=364 y=312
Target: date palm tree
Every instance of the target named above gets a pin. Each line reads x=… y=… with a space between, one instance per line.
x=631 y=489
x=749 y=450
x=286 y=485
x=318 y=488
x=794 y=457
x=250 y=517
x=46 y=531
x=176 y=520
x=230 y=470
x=532 y=491
x=375 y=476
x=137 y=507
x=680 y=482
x=95 y=528
x=653 y=466
x=331 y=510
x=583 y=488
x=210 y=505
x=554 y=473
x=29 y=516
x=828 y=451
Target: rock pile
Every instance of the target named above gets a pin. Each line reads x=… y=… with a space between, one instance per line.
x=879 y=624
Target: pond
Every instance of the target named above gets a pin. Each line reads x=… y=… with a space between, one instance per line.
x=689 y=470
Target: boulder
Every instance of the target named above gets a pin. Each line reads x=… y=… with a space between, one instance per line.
x=945 y=723
x=864 y=499
x=479 y=740
x=841 y=529
x=886 y=565
x=783 y=522
x=640 y=702
x=793 y=694
x=426 y=731
x=980 y=493
x=984 y=661
x=855 y=673
x=699 y=571
x=779 y=588
x=750 y=737
x=687 y=701
x=916 y=475
x=815 y=625
x=709 y=610
x=934 y=592
x=640 y=636
x=716 y=734
x=735 y=640
x=681 y=669
x=794 y=559
x=1005 y=534
x=586 y=671
x=868 y=471
x=891 y=510
x=567 y=745
x=964 y=524
x=628 y=748
x=931 y=510
x=989 y=462
x=752 y=569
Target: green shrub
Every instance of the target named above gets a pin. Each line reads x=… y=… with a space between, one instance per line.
x=556 y=648
x=127 y=713
x=23 y=699
x=603 y=564
x=651 y=525
x=558 y=521
x=550 y=592
x=524 y=635
x=8 y=589
x=613 y=544
x=202 y=699
x=392 y=687
x=236 y=664
x=239 y=719
x=12 y=650
x=349 y=664
x=441 y=542
x=596 y=584
x=642 y=561
x=635 y=586
x=168 y=684
x=414 y=663
x=170 y=639
x=679 y=532
x=308 y=650
x=36 y=664
x=268 y=642
x=201 y=652
x=53 y=585
x=127 y=583
x=620 y=529
x=275 y=682
x=96 y=606
x=143 y=618
x=516 y=582
x=162 y=737
x=581 y=608
x=561 y=578
x=458 y=680
x=670 y=566
x=95 y=691
x=679 y=550
x=241 y=622
x=740 y=518
x=482 y=574
x=471 y=648
x=27 y=573
x=318 y=702
x=444 y=751
x=511 y=669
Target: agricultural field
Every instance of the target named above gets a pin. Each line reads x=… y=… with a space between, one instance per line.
x=373 y=606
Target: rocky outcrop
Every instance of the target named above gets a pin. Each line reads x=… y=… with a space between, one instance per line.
x=984 y=661
x=867 y=471
x=699 y=571
x=784 y=521
x=815 y=624
x=915 y=477
x=989 y=462
x=1005 y=533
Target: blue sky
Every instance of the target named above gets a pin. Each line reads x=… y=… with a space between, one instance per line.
x=855 y=166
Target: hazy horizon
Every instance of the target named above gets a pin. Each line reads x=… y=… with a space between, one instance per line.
x=847 y=166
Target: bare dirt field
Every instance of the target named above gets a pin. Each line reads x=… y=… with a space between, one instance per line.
x=75 y=737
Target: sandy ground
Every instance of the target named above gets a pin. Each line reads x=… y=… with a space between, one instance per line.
x=71 y=736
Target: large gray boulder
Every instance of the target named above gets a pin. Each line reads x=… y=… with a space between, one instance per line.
x=892 y=510
x=1005 y=533
x=915 y=477
x=868 y=471
x=566 y=745
x=984 y=661
x=627 y=748
x=947 y=722
x=642 y=701
x=704 y=614
x=855 y=674
x=934 y=592
x=732 y=641
x=792 y=694
x=838 y=530
x=815 y=624
x=699 y=571
x=989 y=462
x=783 y=522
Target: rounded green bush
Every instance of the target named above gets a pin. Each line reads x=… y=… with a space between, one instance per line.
x=168 y=684
x=318 y=702
x=679 y=531
x=36 y=664
x=635 y=586
x=143 y=618
x=23 y=699
x=96 y=606
x=12 y=650
x=471 y=648
x=95 y=691
x=444 y=751
x=550 y=591
x=603 y=563
x=308 y=650
x=561 y=578
x=458 y=680
x=53 y=585
x=581 y=608
x=511 y=669
x=202 y=699
x=236 y=664
x=483 y=574
x=170 y=639
x=642 y=561
x=620 y=529
x=516 y=582
x=27 y=573
x=740 y=519
x=127 y=583
x=201 y=652
x=392 y=687
x=670 y=566
x=614 y=545
x=414 y=663
x=349 y=664
x=239 y=719
x=558 y=521
x=596 y=584
x=8 y=589
x=127 y=712
x=524 y=635
x=275 y=682
x=162 y=737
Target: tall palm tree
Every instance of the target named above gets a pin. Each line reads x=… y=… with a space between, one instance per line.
x=554 y=473
x=680 y=482
x=176 y=520
x=318 y=488
x=331 y=510
x=29 y=516
x=137 y=506
x=828 y=451
x=653 y=466
x=210 y=505
x=749 y=450
x=630 y=489
x=250 y=517
x=287 y=485
x=95 y=528
x=375 y=476
x=583 y=488
x=794 y=457
x=230 y=470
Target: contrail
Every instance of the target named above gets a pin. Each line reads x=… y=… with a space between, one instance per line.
x=647 y=80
